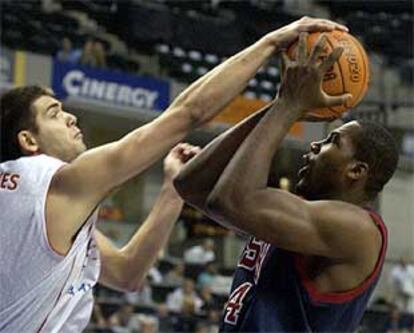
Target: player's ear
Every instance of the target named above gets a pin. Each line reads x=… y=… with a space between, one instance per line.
x=357 y=170
x=27 y=142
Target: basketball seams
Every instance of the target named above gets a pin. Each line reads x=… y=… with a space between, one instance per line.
x=335 y=113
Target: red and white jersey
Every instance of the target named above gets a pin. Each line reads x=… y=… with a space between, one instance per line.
x=41 y=291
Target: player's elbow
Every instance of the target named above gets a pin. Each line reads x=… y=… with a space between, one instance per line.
x=124 y=286
x=129 y=283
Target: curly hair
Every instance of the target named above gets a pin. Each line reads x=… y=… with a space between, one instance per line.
x=16 y=114
x=376 y=146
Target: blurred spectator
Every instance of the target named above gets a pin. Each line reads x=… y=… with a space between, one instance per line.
x=213 y=317
x=201 y=328
x=186 y=321
x=175 y=276
x=201 y=254
x=209 y=302
x=184 y=299
x=207 y=276
x=125 y=320
x=93 y=54
x=98 y=317
x=50 y=6
x=396 y=323
x=143 y=296
x=67 y=53
x=147 y=324
x=165 y=321
x=99 y=53
x=402 y=280
x=88 y=56
x=154 y=275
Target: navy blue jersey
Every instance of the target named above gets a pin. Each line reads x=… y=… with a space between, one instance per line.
x=271 y=293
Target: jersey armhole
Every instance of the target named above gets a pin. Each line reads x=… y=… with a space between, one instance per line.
x=41 y=215
x=348 y=295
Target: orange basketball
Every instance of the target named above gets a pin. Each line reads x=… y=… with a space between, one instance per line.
x=350 y=74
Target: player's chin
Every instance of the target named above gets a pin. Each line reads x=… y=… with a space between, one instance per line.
x=80 y=147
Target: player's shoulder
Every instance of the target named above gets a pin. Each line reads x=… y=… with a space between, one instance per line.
x=342 y=209
x=34 y=167
x=25 y=162
x=42 y=162
x=362 y=219
x=33 y=160
x=362 y=228
x=42 y=159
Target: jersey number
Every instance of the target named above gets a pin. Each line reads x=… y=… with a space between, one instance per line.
x=235 y=303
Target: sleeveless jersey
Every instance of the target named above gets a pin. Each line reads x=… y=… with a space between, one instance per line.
x=271 y=293
x=40 y=290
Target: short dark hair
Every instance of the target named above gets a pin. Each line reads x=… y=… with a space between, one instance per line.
x=376 y=146
x=16 y=114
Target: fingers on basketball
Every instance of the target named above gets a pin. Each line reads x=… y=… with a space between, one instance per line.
x=318 y=49
x=302 y=49
x=330 y=60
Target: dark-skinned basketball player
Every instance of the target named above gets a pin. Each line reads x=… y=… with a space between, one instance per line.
x=312 y=260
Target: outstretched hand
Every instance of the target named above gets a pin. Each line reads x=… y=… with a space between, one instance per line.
x=287 y=35
x=301 y=87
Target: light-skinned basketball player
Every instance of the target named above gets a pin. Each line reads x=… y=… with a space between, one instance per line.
x=50 y=253
x=313 y=260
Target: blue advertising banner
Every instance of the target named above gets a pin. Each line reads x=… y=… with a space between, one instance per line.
x=110 y=87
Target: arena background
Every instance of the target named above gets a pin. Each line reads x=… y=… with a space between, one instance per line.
x=142 y=54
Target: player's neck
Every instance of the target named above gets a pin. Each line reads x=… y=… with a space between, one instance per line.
x=355 y=198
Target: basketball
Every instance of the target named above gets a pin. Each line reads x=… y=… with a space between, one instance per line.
x=350 y=74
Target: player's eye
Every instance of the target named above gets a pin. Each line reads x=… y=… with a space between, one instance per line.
x=54 y=113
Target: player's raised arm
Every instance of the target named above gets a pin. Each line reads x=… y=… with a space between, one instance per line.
x=198 y=178
x=126 y=268
x=241 y=195
x=81 y=185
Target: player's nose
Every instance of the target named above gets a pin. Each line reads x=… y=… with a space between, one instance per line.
x=71 y=119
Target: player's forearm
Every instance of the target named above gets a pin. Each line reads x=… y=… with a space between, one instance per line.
x=249 y=168
x=197 y=179
x=196 y=105
x=212 y=92
x=142 y=250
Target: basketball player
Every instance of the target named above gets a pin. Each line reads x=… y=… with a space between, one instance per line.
x=312 y=260
x=51 y=256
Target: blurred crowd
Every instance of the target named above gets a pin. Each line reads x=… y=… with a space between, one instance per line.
x=401 y=304
x=92 y=53
x=188 y=297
